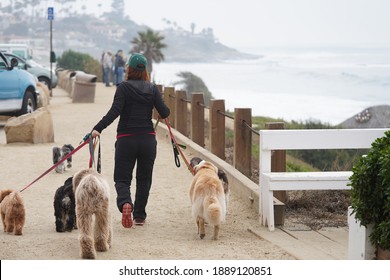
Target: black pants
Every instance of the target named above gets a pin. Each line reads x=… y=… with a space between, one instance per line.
x=131 y=150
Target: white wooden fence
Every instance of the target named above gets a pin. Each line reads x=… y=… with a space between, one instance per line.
x=305 y=139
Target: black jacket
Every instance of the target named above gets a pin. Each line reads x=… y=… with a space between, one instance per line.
x=134 y=102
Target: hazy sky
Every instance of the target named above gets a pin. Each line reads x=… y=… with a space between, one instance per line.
x=267 y=22
x=276 y=22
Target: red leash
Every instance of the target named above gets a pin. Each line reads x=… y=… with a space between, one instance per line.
x=86 y=140
x=177 y=148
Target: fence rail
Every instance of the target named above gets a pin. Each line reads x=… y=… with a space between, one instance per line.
x=206 y=124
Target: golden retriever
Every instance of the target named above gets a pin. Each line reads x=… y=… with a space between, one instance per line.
x=207 y=198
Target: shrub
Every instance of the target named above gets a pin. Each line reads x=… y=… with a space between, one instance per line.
x=370 y=191
x=80 y=62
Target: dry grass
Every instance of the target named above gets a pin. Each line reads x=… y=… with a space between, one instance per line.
x=313 y=209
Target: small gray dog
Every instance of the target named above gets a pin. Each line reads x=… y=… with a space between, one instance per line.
x=60 y=153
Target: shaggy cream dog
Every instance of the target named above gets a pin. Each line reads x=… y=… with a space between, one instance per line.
x=207 y=198
x=13 y=213
x=92 y=197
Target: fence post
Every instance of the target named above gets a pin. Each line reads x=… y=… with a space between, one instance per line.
x=217 y=127
x=242 y=159
x=197 y=118
x=278 y=160
x=155 y=113
x=359 y=245
x=181 y=112
x=169 y=98
x=278 y=164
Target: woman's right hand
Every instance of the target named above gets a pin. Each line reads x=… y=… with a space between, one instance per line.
x=95 y=133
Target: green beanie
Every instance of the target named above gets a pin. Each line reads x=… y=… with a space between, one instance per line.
x=137 y=61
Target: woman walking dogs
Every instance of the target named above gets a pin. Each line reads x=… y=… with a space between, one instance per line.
x=136 y=141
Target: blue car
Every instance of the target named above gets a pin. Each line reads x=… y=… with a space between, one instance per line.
x=18 y=89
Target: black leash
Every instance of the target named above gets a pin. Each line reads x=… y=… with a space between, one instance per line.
x=177 y=150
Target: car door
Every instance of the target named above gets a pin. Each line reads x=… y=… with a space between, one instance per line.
x=9 y=82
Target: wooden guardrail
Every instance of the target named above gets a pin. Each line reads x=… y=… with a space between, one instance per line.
x=188 y=116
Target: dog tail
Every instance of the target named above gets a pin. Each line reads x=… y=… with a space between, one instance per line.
x=214 y=210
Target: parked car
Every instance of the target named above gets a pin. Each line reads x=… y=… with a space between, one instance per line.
x=18 y=89
x=42 y=73
x=22 y=50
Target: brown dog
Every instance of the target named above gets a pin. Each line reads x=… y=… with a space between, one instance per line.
x=13 y=213
x=92 y=197
x=207 y=198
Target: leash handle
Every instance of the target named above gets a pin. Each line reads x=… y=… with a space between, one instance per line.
x=92 y=147
x=175 y=154
x=178 y=148
x=158 y=120
x=86 y=141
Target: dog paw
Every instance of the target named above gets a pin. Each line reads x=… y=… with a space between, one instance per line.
x=101 y=246
x=88 y=255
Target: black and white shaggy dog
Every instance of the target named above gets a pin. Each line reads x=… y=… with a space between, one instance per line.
x=60 y=153
x=65 y=207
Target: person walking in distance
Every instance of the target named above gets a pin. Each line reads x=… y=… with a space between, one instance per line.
x=107 y=68
x=136 y=143
x=119 y=67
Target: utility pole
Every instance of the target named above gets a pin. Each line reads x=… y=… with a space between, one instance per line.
x=50 y=17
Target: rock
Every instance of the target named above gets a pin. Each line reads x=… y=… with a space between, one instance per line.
x=372 y=117
x=44 y=95
x=36 y=127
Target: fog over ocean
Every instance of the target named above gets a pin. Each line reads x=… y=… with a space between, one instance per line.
x=325 y=84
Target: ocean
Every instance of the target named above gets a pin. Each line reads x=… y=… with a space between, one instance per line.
x=328 y=85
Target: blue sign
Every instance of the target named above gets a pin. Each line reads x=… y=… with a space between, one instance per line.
x=50 y=13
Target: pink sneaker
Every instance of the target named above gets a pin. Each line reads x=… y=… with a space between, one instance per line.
x=127 y=221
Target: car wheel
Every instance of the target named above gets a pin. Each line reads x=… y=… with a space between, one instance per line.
x=45 y=81
x=29 y=104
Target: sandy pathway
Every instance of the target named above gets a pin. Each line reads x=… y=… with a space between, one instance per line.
x=170 y=232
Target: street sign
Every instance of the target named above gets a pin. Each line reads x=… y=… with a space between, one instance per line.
x=50 y=13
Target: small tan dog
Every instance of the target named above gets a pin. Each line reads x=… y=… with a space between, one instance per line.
x=13 y=213
x=92 y=197
x=207 y=198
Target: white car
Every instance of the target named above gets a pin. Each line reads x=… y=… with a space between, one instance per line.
x=42 y=73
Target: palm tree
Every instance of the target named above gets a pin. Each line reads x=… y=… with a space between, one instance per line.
x=150 y=44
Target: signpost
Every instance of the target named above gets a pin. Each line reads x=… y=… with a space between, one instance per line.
x=50 y=17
